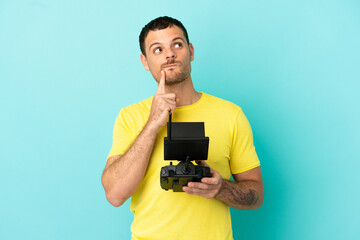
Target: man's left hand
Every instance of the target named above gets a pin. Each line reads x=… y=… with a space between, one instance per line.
x=208 y=187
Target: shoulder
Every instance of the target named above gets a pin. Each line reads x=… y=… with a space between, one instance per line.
x=136 y=112
x=221 y=105
x=139 y=107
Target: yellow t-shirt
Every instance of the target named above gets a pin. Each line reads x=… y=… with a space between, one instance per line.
x=160 y=214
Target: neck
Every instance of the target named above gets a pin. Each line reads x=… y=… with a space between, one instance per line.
x=185 y=93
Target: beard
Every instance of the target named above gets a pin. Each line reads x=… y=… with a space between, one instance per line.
x=173 y=77
x=176 y=75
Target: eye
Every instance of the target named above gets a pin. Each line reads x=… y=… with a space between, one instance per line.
x=157 y=50
x=178 y=45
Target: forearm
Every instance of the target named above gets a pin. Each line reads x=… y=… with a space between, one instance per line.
x=122 y=177
x=243 y=195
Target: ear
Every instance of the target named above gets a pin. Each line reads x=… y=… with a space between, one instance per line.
x=191 y=48
x=144 y=62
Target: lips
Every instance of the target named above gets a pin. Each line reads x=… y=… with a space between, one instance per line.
x=169 y=66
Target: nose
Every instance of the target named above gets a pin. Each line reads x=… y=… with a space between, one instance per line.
x=170 y=54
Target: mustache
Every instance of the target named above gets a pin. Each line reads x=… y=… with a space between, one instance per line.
x=172 y=61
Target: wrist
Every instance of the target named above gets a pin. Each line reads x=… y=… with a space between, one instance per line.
x=220 y=189
x=151 y=127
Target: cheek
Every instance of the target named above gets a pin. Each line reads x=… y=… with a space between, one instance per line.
x=153 y=64
x=155 y=73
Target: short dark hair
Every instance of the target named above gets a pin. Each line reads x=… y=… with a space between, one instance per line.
x=158 y=24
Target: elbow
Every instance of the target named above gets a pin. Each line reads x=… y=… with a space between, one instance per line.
x=254 y=204
x=113 y=196
x=116 y=202
x=259 y=203
x=260 y=198
x=116 y=197
x=116 y=194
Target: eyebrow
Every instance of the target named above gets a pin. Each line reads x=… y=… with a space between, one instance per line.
x=177 y=38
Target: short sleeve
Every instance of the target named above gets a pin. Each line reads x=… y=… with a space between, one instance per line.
x=243 y=156
x=122 y=135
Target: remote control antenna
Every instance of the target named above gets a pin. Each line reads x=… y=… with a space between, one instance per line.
x=169 y=127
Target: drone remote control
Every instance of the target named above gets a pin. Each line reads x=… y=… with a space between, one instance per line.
x=185 y=142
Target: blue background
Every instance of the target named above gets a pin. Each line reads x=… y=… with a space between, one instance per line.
x=67 y=67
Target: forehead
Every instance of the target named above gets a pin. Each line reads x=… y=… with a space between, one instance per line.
x=164 y=35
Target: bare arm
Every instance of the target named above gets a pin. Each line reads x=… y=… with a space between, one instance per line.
x=123 y=173
x=246 y=193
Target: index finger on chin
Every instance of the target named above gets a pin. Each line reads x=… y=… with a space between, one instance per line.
x=161 y=86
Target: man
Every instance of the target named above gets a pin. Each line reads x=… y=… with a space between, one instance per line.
x=134 y=162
